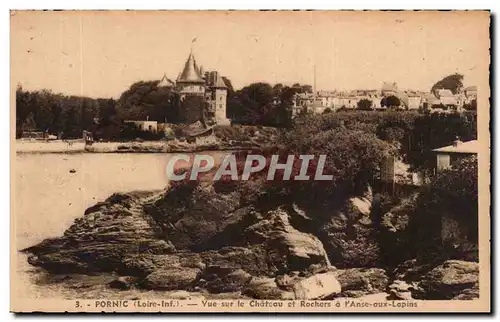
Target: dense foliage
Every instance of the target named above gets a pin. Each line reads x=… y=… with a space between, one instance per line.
x=66 y=116
x=452 y=82
x=432 y=131
x=390 y=101
x=261 y=103
x=352 y=158
x=145 y=100
x=452 y=193
x=365 y=104
x=415 y=135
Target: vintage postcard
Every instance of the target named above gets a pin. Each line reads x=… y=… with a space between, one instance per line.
x=250 y=161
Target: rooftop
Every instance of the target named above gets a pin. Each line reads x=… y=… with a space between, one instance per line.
x=389 y=87
x=460 y=147
x=191 y=72
x=444 y=93
x=219 y=82
x=166 y=82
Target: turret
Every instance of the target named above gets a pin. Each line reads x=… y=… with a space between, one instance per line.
x=190 y=81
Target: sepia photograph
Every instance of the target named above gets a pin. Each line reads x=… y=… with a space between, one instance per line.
x=250 y=161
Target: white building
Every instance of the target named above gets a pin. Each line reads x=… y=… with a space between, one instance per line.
x=450 y=154
x=147 y=126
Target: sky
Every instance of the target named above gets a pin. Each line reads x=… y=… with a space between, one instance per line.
x=100 y=54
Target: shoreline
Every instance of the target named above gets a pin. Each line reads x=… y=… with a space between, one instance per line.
x=147 y=147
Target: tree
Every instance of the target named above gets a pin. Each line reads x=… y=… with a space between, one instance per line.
x=432 y=131
x=54 y=113
x=395 y=127
x=353 y=157
x=452 y=82
x=252 y=104
x=303 y=88
x=278 y=89
x=71 y=125
x=390 y=101
x=144 y=99
x=263 y=104
x=307 y=89
x=327 y=110
x=365 y=104
x=24 y=109
x=229 y=85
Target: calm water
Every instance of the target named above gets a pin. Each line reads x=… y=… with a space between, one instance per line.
x=48 y=198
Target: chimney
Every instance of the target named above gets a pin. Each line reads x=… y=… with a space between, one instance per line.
x=457 y=142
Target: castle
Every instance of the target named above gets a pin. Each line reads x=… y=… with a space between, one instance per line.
x=193 y=81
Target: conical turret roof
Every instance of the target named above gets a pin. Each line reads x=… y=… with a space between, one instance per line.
x=219 y=83
x=190 y=74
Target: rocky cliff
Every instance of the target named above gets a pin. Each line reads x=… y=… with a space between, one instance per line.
x=201 y=238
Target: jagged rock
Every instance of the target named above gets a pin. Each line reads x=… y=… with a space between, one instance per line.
x=192 y=215
x=399 y=286
x=397 y=218
x=348 y=237
x=319 y=286
x=453 y=279
x=288 y=248
x=468 y=294
x=225 y=279
x=272 y=246
x=400 y=290
x=98 y=241
x=450 y=280
x=123 y=282
x=59 y=263
x=286 y=281
x=82 y=281
x=144 y=264
x=181 y=278
x=265 y=288
x=251 y=259
x=399 y=295
x=171 y=240
x=411 y=270
x=358 y=282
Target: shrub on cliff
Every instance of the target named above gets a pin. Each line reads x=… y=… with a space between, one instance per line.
x=433 y=131
x=414 y=134
x=452 y=194
x=353 y=158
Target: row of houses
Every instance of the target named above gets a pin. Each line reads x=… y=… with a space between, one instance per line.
x=441 y=99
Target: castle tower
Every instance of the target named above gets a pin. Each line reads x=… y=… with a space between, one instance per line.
x=218 y=97
x=195 y=83
x=190 y=82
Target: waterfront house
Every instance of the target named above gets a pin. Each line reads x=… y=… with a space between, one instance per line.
x=446 y=156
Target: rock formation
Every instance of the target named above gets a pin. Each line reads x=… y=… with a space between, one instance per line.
x=200 y=237
x=187 y=240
